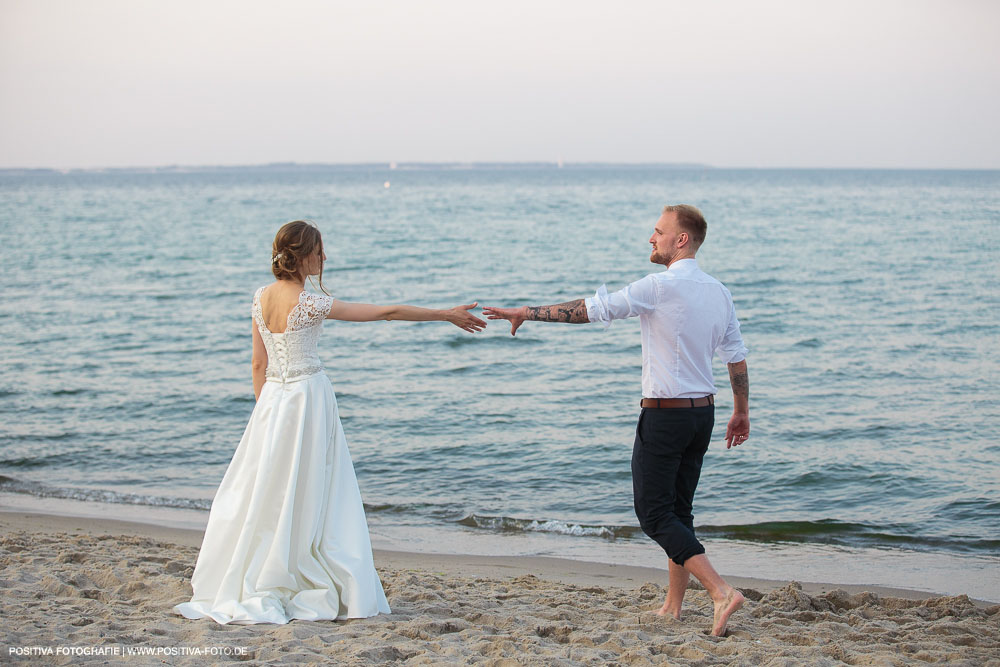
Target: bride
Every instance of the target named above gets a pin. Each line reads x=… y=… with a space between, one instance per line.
x=287 y=537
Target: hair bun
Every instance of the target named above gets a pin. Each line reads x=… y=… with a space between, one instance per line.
x=294 y=244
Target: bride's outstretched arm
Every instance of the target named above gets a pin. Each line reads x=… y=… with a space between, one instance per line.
x=258 y=364
x=367 y=312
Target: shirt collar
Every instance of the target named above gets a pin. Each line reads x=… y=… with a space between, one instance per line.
x=684 y=265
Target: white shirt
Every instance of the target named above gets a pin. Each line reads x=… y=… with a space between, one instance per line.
x=686 y=316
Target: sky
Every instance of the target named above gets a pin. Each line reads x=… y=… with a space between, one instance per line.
x=796 y=83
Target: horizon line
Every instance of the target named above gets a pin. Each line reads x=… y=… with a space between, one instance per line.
x=455 y=164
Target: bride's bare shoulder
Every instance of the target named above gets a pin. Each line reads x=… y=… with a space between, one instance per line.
x=279 y=292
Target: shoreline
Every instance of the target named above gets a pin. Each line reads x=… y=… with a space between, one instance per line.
x=562 y=570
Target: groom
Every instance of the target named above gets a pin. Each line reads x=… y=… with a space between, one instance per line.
x=686 y=316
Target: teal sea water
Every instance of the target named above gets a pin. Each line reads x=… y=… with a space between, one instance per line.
x=868 y=300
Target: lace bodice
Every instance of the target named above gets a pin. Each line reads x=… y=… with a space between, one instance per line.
x=293 y=353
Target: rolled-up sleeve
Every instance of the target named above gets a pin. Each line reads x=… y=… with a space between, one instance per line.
x=732 y=350
x=634 y=299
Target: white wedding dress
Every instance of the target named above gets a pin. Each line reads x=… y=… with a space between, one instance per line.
x=287 y=537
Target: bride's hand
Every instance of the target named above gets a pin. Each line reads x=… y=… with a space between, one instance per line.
x=462 y=318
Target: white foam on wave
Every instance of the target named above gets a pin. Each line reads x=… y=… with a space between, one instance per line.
x=11 y=485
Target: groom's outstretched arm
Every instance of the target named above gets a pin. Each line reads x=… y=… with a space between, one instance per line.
x=573 y=312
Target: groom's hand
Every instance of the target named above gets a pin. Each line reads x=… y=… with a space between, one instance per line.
x=514 y=315
x=738 y=429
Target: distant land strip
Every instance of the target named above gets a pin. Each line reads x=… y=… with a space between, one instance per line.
x=324 y=166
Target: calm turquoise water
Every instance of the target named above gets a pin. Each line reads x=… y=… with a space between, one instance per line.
x=868 y=300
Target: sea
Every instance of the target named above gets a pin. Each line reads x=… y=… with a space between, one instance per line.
x=868 y=299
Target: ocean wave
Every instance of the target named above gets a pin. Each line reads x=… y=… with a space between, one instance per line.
x=826 y=531
x=838 y=433
x=11 y=485
x=505 y=524
x=831 y=531
x=762 y=282
x=491 y=341
x=71 y=392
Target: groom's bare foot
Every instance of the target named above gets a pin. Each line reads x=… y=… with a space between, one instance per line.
x=724 y=609
x=667 y=610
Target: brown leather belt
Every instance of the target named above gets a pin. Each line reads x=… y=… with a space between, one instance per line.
x=677 y=402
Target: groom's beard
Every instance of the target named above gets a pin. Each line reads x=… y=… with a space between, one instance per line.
x=658 y=258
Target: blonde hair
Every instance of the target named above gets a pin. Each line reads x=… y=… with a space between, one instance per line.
x=691 y=221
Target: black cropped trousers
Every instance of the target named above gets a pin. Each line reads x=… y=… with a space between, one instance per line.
x=670 y=444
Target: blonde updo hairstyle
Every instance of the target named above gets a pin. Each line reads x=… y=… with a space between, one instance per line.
x=293 y=243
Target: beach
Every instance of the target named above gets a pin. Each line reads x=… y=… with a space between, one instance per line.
x=99 y=591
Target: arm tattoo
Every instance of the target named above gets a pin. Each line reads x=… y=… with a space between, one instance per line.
x=741 y=384
x=574 y=312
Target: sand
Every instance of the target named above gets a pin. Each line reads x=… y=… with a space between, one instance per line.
x=91 y=591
